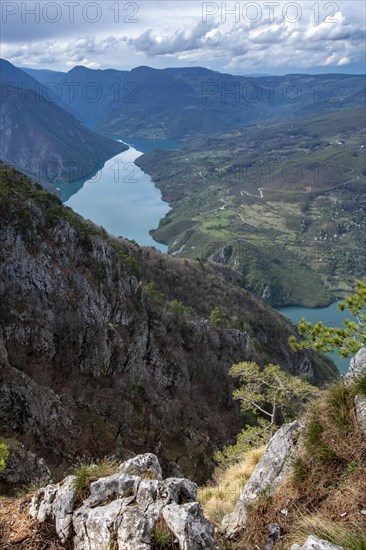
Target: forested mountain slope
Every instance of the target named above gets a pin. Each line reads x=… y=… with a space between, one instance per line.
x=106 y=346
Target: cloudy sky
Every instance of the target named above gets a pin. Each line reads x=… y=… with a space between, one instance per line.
x=251 y=37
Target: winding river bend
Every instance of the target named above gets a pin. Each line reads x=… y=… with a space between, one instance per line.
x=121 y=197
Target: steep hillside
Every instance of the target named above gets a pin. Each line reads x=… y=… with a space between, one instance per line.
x=305 y=490
x=14 y=77
x=41 y=138
x=105 y=346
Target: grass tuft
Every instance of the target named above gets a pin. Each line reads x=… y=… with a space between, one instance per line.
x=339 y=398
x=315 y=442
x=88 y=472
x=336 y=534
x=360 y=385
x=300 y=470
x=161 y=537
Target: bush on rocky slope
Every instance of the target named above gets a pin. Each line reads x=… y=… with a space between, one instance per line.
x=324 y=488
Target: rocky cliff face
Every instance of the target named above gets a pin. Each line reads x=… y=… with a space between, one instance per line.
x=93 y=358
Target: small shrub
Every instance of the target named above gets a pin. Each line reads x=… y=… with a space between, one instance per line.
x=360 y=385
x=161 y=537
x=251 y=437
x=24 y=222
x=156 y=296
x=54 y=214
x=300 y=470
x=218 y=318
x=88 y=472
x=4 y=455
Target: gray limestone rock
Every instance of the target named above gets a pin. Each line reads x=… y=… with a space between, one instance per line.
x=360 y=406
x=357 y=365
x=312 y=543
x=56 y=502
x=141 y=465
x=269 y=473
x=124 y=509
x=187 y=522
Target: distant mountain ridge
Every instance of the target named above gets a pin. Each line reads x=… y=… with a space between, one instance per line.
x=41 y=138
x=189 y=101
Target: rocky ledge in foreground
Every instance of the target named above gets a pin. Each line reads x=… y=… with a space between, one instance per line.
x=131 y=509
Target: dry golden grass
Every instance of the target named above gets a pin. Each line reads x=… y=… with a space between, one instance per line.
x=349 y=539
x=219 y=497
x=18 y=531
x=332 y=502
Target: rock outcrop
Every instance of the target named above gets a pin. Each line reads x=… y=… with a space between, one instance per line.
x=23 y=467
x=268 y=475
x=360 y=407
x=130 y=509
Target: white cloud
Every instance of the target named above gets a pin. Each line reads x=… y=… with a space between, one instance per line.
x=172 y=33
x=182 y=40
x=336 y=40
x=343 y=61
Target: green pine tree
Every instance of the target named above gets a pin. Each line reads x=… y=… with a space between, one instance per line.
x=346 y=340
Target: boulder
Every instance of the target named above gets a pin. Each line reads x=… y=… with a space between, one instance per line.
x=191 y=529
x=124 y=509
x=357 y=365
x=23 y=467
x=269 y=473
x=312 y=543
x=56 y=502
x=143 y=465
x=360 y=407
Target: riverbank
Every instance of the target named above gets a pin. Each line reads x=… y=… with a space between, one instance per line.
x=121 y=198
